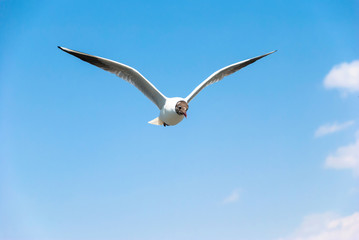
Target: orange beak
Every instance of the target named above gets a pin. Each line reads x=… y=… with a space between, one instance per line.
x=185 y=114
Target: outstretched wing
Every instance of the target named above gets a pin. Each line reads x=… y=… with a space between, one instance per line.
x=125 y=72
x=220 y=74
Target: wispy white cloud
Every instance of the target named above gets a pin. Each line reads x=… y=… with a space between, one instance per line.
x=344 y=76
x=233 y=197
x=327 y=226
x=332 y=128
x=345 y=157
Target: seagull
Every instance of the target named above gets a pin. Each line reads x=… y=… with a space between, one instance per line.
x=172 y=110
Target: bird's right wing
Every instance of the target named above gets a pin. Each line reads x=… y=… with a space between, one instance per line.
x=125 y=72
x=220 y=74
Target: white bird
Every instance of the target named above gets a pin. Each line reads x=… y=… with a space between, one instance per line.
x=172 y=110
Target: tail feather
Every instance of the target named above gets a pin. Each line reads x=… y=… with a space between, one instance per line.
x=156 y=121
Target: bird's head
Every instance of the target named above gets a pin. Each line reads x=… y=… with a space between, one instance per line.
x=181 y=108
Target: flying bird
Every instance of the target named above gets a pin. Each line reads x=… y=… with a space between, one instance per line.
x=172 y=110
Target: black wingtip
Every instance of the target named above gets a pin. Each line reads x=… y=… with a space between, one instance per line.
x=271 y=52
x=63 y=49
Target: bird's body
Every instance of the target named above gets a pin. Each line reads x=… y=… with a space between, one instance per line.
x=168 y=113
x=172 y=110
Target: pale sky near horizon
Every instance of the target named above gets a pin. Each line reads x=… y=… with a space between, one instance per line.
x=270 y=152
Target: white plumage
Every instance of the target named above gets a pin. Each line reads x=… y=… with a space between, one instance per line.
x=170 y=112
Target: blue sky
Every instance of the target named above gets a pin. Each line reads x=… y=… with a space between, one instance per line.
x=265 y=153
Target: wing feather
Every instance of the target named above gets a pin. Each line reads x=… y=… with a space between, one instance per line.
x=125 y=72
x=220 y=74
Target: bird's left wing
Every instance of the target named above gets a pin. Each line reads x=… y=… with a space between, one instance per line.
x=220 y=74
x=125 y=72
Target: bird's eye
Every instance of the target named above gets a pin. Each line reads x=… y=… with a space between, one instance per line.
x=179 y=107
